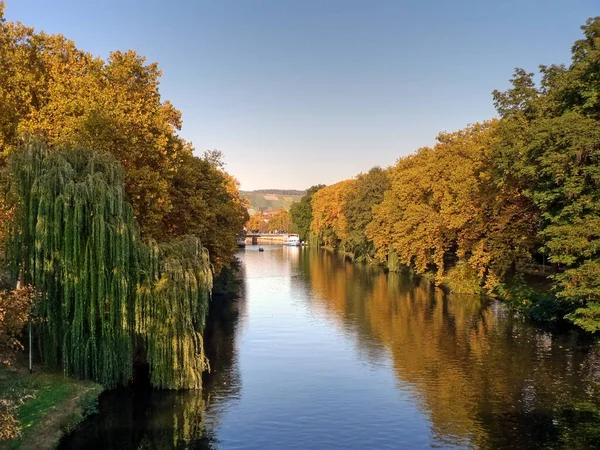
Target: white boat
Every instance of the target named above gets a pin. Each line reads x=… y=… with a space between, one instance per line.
x=292 y=239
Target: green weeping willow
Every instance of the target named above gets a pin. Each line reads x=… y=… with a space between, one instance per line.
x=75 y=238
x=172 y=330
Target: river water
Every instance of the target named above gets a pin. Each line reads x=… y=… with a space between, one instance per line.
x=318 y=353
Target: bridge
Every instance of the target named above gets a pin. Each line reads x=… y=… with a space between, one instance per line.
x=275 y=238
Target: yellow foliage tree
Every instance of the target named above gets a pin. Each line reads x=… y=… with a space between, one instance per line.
x=280 y=221
x=15 y=306
x=257 y=223
x=69 y=98
x=329 y=221
x=444 y=208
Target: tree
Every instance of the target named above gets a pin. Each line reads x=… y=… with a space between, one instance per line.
x=554 y=157
x=206 y=203
x=74 y=238
x=15 y=306
x=329 y=223
x=257 y=223
x=301 y=212
x=280 y=221
x=368 y=191
x=444 y=207
x=69 y=98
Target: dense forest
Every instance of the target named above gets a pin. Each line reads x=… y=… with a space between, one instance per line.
x=492 y=204
x=111 y=228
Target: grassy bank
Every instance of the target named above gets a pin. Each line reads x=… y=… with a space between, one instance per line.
x=41 y=407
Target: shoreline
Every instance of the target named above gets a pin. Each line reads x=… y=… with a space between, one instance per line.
x=45 y=406
x=532 y=297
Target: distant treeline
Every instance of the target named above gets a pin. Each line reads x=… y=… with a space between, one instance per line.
x=492 y=203
x=263 y=201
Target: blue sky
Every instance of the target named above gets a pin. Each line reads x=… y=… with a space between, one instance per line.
x=297 y=93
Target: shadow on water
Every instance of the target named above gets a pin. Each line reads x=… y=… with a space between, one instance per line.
x=139 y=417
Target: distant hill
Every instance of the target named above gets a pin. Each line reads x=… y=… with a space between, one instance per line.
x=272 y=199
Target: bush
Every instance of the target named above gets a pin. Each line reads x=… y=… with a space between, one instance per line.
x=541 y=307
x=15 y=306
x=9 y=425
x=462 y=279
x=89 y=403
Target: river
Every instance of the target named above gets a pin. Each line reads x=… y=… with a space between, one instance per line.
x=323 y=354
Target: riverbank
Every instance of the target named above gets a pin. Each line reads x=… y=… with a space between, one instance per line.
x=38 y=409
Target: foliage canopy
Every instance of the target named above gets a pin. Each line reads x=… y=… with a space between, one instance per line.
x=104 y=295
x=486 y=203
x=67 y=97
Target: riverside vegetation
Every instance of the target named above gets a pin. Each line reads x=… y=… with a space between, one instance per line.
x=111 y=229
x=491 y=204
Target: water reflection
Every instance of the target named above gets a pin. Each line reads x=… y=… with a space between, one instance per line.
x=142 y=418
x=320 y=353
x=484 y=376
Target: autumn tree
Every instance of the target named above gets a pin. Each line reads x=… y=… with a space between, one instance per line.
x=301 y=212
x=329 y=222
x=280 y=221
x=444 y=208
x=257 y=223
x=549 y=147
x=367 y=192
x=69 y=98
x=15 y=306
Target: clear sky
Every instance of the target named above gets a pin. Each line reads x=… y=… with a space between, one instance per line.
x=302 y=92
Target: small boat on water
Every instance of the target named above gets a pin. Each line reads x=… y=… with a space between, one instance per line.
x=292 y=240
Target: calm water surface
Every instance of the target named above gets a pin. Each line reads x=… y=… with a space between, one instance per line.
x=323 y=354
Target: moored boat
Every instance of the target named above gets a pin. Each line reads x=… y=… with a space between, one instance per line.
x=292 y=240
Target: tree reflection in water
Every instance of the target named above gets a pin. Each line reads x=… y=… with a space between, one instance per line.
x=482 y=376
x=485 y=376
x=142 y=418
